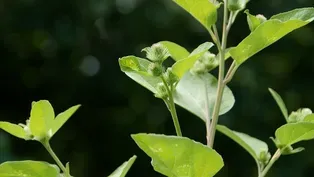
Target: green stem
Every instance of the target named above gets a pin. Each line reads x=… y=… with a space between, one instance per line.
x=172 y=108
x=46 y=144
x=271 y=163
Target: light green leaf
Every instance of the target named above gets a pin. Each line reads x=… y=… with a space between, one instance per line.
x=41 y=118
x=292 y=133
x=182 y=66
x=280 y=103
x=271 y=31
x=124 y=168
x=62 y=118
x=176 y=51
x=252 y=145
x=309 y=118
x=13 y=129
x=179 y=156
x=202 y=10
x=191 y=92
x=136 y=69
x=28 y=169
x=252 y=20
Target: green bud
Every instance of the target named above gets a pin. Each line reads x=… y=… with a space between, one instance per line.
x=264 y=157
x=198 y=68
x=155 y=69
x=157 y=52
x=161 y=91
x=170 y=77
x=237 y=5
x=254 y=20
x=299 y=115
x=261 y=18
x=210 y=61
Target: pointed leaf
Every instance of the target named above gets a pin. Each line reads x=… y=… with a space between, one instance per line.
x=280 y=103
x=13 y=129
x=124 y=168
x=292 y=133
x=252 y=145
x=202 y=10
x=176 y=51
x=62 y=118
x=179 y=156
x=41 y=118
x=182 y=66
x=271 y=31
x=28 y=169
x=191 y=94
x=309 y=118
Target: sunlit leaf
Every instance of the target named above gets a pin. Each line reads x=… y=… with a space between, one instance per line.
x=28 y=169
x=279 y=102
x=179 y=156
x=176 y=51
x=202 y=10
x=13 y=129
x=124 y=168
x=191 y=94
x=309 y=118
x=271 y=31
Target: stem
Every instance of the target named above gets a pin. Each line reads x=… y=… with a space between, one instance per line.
x=271 y=163
x=172 y=108
x=46 y=144
x=233 y=68
x=221 y=84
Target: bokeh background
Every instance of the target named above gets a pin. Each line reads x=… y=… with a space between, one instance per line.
x=67 y=52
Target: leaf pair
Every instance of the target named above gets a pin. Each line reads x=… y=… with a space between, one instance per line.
x=42 y=122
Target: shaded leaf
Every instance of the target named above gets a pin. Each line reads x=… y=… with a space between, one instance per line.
x=176 y=51
x=179 y=156
x=271 y=31
x=280 y=103
x=124 y=168
x=191 y=92
x=13 y=129
x=28 y=169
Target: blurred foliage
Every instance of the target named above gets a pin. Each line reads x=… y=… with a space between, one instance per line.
x=67 y=52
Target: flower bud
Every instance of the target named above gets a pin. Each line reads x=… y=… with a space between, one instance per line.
x=157 y=52
x=299 y=115
x=261 y=18
x=264 y=157
x=170 y=77
x=155 y=69
x=237 y=5
x=161 y=91
x=210 y=61
x=198 y=68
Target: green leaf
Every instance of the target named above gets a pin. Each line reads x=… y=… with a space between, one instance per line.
x=136 y=69
x=41 y=118
x=280 y=103
x=252 y=145
x=309 y=118
x=202 y=10
x=124 y=168
x=252 y=20
x=13 y=129
x=28 y=169
x=292 y=133
x=182 y=66
x=176 y=51
x=62 y=118
x=271 y=31
x=237 y=5
x=191 y=94
x=179 y=156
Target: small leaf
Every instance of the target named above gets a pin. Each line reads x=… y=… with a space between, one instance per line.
x=289 y=150
x=62 y=118
x=41 y=118
x=271 y=31
x=292 y=133
x=182 y=66
x=13 y=129
x=176 y=51
x=179 y=156
x=202 y=10
x=253 y=21
x=124 y=168
x=28 y=169
x=136 y=69
x=191 y=93
x=309 y=118
x=280 y=103
x=252 y=145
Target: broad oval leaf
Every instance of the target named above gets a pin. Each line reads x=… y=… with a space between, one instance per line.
x=202 y=10
x=122 y=170
x=271 y=31
x=41 y=118
x=292 y=133
x=176 y=51
x=28 y=169
x=280 y=103
x=13 y=129
x=182 y=66
x=309 y=118
x=62 y=118
x=179 y=156
x=192 y=92
x=252 y=145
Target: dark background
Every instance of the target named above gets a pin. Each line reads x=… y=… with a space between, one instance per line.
x=67 y=52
